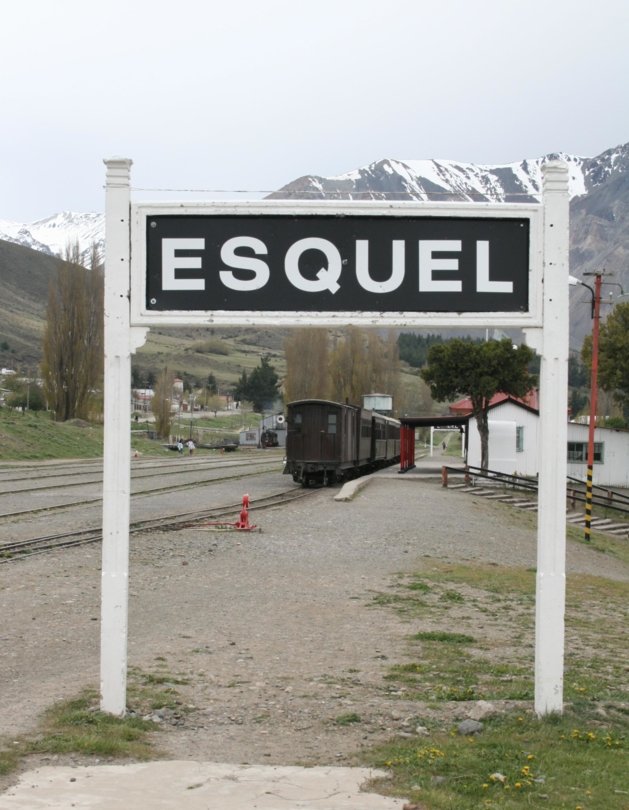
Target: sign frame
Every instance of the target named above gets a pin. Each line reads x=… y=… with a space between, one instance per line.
x=141 y=315
x=545 y=326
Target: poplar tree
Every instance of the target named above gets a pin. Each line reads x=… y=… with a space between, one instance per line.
x=72 y=364
x=364 y=362
x=161 y=404
x=307 y=357
x=360 y=362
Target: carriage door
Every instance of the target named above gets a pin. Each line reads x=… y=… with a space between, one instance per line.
x=329 y=434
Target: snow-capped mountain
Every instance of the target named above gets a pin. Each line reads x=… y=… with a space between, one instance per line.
x=599 y=190
x=390 y=179
x=56 y=233
x=450 y=181
x=599 y=207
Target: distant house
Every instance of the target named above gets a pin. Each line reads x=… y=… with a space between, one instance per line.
x=249 y=437
x=464 y=406
x=252 y=437
x=513 y=445
x=142 y=399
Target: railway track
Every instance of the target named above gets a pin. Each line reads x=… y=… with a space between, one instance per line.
x=35 y=479
x=218 y=473
x=22 y=549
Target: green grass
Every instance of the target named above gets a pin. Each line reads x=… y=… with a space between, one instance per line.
x=78 y=727
x=34 y=436
x=602 y=543
x=576 y=760
x=491 y=656
x=347 y=719
x=445 y=637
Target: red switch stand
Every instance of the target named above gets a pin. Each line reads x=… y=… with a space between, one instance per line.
x=241 y=525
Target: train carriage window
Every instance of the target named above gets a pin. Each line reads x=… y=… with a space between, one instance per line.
x=331 y=423
x=296 y=423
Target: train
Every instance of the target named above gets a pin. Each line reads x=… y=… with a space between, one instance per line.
x=268 y=438
x=328 y=442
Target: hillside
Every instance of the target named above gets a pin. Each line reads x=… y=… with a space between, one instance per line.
x=226 y=353
x=25 y=275
x=24 y=278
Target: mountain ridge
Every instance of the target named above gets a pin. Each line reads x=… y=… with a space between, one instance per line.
x=455 y=181
x=599 y=192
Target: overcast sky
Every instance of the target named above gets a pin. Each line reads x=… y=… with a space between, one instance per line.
x=251 y=94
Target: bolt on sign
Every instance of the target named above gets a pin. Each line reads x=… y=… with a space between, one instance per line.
x=273 y=263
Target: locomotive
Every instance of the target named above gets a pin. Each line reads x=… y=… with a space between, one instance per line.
x=268 y=438
x=328 y=442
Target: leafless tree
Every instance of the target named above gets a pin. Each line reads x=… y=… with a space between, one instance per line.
x=307 y=372
x=361 y=361
x=72 y=364
x=364 y=362
x=161 y=404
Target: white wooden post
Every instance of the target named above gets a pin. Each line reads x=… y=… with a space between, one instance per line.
x=117 y=445
x=553 y=437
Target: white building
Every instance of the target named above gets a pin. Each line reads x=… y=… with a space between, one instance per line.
x=252 y=437
x=513 y=446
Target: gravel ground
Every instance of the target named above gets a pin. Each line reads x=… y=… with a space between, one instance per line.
x=273 y=630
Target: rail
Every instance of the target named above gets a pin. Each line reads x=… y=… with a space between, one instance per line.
x=575 y=488
x=23 y=549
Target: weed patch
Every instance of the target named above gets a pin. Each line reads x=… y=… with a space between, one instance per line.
x=495 y=661
x=347 y=719
x=444 y=637
x=78 y=727
x=576 y=760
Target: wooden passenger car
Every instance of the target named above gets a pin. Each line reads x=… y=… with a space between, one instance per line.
x=328 y=442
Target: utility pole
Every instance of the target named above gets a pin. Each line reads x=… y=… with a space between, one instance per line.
x=596 y=317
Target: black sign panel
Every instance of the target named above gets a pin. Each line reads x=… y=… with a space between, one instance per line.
x=335 y=263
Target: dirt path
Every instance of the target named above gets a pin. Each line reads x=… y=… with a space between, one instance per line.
x=275 y=633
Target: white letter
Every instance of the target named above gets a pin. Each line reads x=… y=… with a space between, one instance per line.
x=362 y=267
x=428 y=265
x=483 y=284
x=328 y=277
x=259 y=268
x=170 y=263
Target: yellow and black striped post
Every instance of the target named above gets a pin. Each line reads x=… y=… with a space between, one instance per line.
x=588 y=504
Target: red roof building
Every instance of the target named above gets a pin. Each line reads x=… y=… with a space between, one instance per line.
x=464 y=406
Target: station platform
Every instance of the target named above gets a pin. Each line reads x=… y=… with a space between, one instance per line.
x=194 y=786
x=425 y=467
